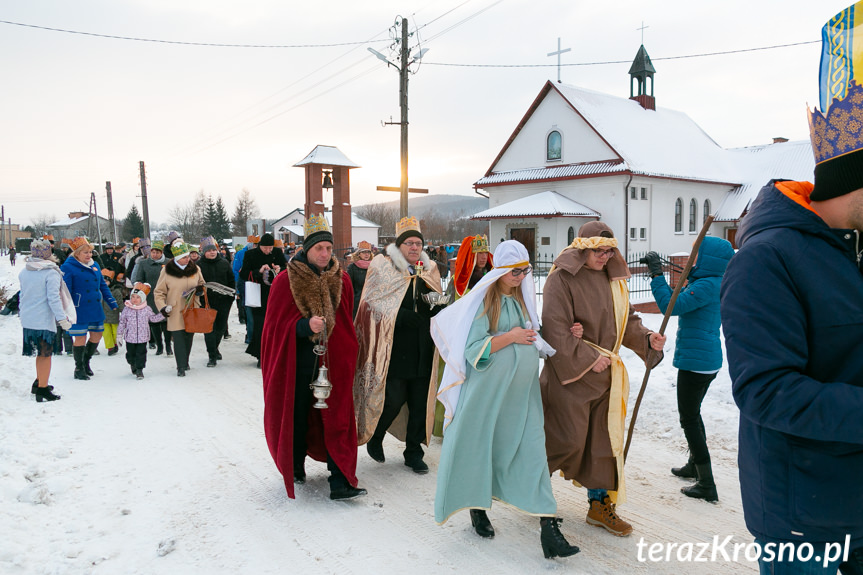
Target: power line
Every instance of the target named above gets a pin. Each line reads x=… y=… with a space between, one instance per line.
x=182 y=43
x=451 y=64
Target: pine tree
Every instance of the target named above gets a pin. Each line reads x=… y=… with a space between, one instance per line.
x=133 y=225
x=221 y=225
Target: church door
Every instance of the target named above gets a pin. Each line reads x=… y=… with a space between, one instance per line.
x=527 y=237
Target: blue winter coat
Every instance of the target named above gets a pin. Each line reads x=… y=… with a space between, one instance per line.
x=792 y=313
x=697 y=304
x=88 y=288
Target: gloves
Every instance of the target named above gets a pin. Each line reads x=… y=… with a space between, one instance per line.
x=65 y=324
x=166 y=310
x=119 y=339
x=654 y=265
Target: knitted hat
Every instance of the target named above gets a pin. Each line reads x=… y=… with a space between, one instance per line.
x=80 y=242
x=140 y=289
x=144 y=246
x=180 y=249
x=836 y=131
x=267 y=240
x=406 y=228
x=209 y=243
x=40 y=249
x=158 y=245
x=316 y=230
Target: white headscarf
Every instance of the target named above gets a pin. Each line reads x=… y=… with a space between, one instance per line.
x=450 y=328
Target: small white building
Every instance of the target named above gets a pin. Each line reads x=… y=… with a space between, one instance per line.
x=652 y=174
x=290 y=228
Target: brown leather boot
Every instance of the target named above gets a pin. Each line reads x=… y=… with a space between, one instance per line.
x=602 y=514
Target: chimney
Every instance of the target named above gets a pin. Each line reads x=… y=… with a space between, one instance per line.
x=779 y=140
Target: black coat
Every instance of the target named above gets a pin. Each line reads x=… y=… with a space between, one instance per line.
x=358 y=280
x=251 y=270
x=413 y=348
x=217 y=270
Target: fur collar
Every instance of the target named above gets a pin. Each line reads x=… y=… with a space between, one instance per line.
x=316 y=294
x=401 y=263
x=172 y=269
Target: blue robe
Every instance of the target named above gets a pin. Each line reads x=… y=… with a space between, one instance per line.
x=494 y=448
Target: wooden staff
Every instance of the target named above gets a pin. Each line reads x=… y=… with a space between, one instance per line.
x=689 y=263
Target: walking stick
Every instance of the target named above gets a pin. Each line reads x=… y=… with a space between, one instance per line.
x=689 y=263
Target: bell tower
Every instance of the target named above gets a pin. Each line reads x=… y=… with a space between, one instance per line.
x=640 y=71
x=327 y=168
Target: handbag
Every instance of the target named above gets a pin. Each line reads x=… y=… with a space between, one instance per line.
x=199 y=319
x=253 y=294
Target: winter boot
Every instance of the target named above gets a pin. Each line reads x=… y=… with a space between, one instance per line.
x=481 y=524
x=212 y=361
x=89 y=351
x=139 y=374
x=602 y=514
x=45 y=394
x=687 y=471
x=80 y=372
x=36 y=384
x=554 y=544
x=704 y=487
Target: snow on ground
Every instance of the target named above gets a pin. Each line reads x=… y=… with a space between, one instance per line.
x=173 y=476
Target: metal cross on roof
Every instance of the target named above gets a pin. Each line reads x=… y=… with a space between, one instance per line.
x=642 y=31
x=558 y=53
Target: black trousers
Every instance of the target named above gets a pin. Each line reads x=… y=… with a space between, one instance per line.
x=182 y=347
x=414 y=392
x=136 y=355
x=303 y=401
x=691 y=389
x=258 y=315
x=220 y=326
x=157 y=331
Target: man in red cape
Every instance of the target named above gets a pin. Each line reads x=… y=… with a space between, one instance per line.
x=312 y=296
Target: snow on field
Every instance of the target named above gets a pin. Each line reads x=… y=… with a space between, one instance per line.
x=173 y=476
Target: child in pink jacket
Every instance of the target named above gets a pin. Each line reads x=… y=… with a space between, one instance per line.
x=134 y=328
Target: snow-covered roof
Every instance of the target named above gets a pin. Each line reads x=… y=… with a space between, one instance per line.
x=356 y=222
x=544 y=204
x=294 y=229
x=552 y=173
x=68 y=222
x=327 y=156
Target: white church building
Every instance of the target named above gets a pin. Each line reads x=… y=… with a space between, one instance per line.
x=652 y=174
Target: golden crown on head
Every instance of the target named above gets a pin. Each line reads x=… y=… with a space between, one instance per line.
x=317 y=223
x=479 y=244
x=407 y=224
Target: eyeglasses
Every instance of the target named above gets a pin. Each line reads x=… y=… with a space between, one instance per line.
x=413 y=244
x=521 y=271
x=603 y=253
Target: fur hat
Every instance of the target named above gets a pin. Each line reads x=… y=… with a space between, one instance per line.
x=209 y=243
x=140 y=289
x=41 y=249
x=406 y=228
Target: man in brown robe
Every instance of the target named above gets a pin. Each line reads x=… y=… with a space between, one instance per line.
x=584 y=385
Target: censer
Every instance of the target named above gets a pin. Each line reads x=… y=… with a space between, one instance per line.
x=321 y=387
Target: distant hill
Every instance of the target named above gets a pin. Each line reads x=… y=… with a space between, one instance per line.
x=442 y=204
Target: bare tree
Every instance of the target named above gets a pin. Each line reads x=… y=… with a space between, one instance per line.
x=189 y=219
x=41 y=222
x=384 y=215
x=245 y=210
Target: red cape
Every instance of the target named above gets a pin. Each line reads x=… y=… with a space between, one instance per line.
x=464 y=264
x=332 y=430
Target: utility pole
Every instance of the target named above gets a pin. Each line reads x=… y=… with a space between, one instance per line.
x=145 y=212
x=2 y=230
x=95 y=214
x=111 y=211
x=403 y=102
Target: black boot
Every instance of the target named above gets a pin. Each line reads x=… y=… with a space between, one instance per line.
x=113 y=351
x=89 y=351
x=481 y=524
x=78 y=352
x=704 y=487
x=36 y=384
x=554 y=544
x=687 y=471
x=211 y=362
x=45 y=394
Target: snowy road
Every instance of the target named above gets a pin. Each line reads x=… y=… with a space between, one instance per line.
x=173 y=476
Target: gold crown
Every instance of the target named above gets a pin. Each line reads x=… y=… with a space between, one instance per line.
x=316 y=224
x=48 y=237
x=479 y=244
x=407 y=224
x=78 y=242
x=142 y=287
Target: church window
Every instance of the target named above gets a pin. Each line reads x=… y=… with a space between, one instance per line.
x=693 y=215
x=633 y=233
x=570 y=235
x=706 y=210
x=633 y=193
x=545 y=241
x=553 y=146
x=643 y=193
x=643 y=233
x=678 y=216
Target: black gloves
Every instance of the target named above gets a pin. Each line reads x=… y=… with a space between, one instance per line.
x=654 y=265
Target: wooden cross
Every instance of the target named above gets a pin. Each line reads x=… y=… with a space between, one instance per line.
x=558 y=53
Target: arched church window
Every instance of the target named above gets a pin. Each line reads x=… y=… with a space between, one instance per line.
x=693 y=214
x=570 y=235
x=706 y=211
x=553 y=146
x=678 y=216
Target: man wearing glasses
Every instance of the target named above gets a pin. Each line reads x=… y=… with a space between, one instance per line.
x=396 y=350
x=585 y=385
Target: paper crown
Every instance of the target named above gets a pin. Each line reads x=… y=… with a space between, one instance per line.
x=364 y=246
x=135 y=241
x=40 y=249
x=479 y=244
x=180 y=249
x=79 y=242
x=278 y=243
x=48 y=237
x=208 y=243
x=66 y=242
x=141 y=287
x=158 y=245
x=253 y=239
x=407 y=224
x=315 y=224
x=108 y=273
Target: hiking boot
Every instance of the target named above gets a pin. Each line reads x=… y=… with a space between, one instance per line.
x=602 y=514
x=704 y=487
x=554 y=544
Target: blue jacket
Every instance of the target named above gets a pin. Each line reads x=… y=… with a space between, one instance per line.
x=792 y=313
x=88 y=288
x=698 y=347
x=237 y=264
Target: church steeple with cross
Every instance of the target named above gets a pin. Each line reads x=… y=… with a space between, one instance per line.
x=642 y=69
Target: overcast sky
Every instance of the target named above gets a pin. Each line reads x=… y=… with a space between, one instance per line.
x=80 y=110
